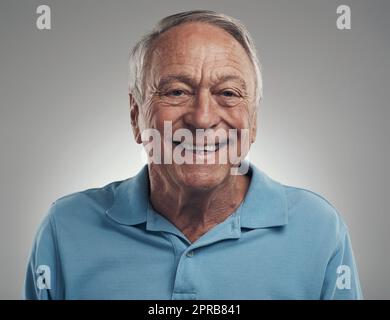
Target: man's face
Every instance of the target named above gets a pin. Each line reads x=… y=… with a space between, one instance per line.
x=199 y=77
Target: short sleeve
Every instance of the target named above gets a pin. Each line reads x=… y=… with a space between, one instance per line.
x=42 y=281
x=341 y=277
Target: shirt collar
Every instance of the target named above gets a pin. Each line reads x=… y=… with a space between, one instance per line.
x=131 y=200
x=265 y=204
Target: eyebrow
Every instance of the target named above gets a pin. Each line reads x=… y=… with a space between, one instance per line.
x=181 y=77
x=230 y=77
x=184 y=78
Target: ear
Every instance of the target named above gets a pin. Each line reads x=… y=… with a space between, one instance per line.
x=253 y=129
x=134 y=113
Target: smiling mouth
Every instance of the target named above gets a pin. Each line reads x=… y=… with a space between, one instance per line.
x=200 y=149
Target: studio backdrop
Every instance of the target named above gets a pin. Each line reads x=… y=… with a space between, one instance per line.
x=323 y=124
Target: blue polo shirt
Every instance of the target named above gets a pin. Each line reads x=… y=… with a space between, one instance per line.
x=109 y=243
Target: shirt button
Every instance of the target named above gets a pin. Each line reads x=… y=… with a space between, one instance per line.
x=190 y=254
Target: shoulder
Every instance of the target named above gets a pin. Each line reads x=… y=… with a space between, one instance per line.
x=84 y=204
x=314 y=214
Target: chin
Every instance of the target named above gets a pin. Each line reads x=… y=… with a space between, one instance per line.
x=201 y=176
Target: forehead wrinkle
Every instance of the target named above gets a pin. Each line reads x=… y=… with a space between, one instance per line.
x=185 y=50
x=160 y=63
x=186 y=53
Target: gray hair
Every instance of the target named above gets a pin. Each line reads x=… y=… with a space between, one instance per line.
x=139 y=55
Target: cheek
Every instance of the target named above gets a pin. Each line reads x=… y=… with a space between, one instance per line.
x=238 y=118
x=158 y=114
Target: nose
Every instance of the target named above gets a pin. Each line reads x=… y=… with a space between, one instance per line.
x=203 y=113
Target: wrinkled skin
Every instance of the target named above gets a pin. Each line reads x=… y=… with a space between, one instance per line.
x=199 y=77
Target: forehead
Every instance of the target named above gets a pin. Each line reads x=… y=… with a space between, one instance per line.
x=196 y=46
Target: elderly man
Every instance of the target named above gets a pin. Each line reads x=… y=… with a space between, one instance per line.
x=196 y=222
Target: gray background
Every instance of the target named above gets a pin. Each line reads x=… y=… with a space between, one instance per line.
x=65 y=127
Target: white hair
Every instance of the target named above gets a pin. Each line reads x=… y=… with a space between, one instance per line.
x=140 y=54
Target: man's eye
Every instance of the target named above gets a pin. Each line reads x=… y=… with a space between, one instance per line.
x=228 y=93
x=176 y=93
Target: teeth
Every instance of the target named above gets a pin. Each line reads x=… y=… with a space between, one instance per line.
x=211 y=147
x=208 y=148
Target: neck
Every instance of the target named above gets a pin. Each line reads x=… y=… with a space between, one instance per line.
x=194 y=212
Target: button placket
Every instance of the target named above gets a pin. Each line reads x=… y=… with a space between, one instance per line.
x=183 y=285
